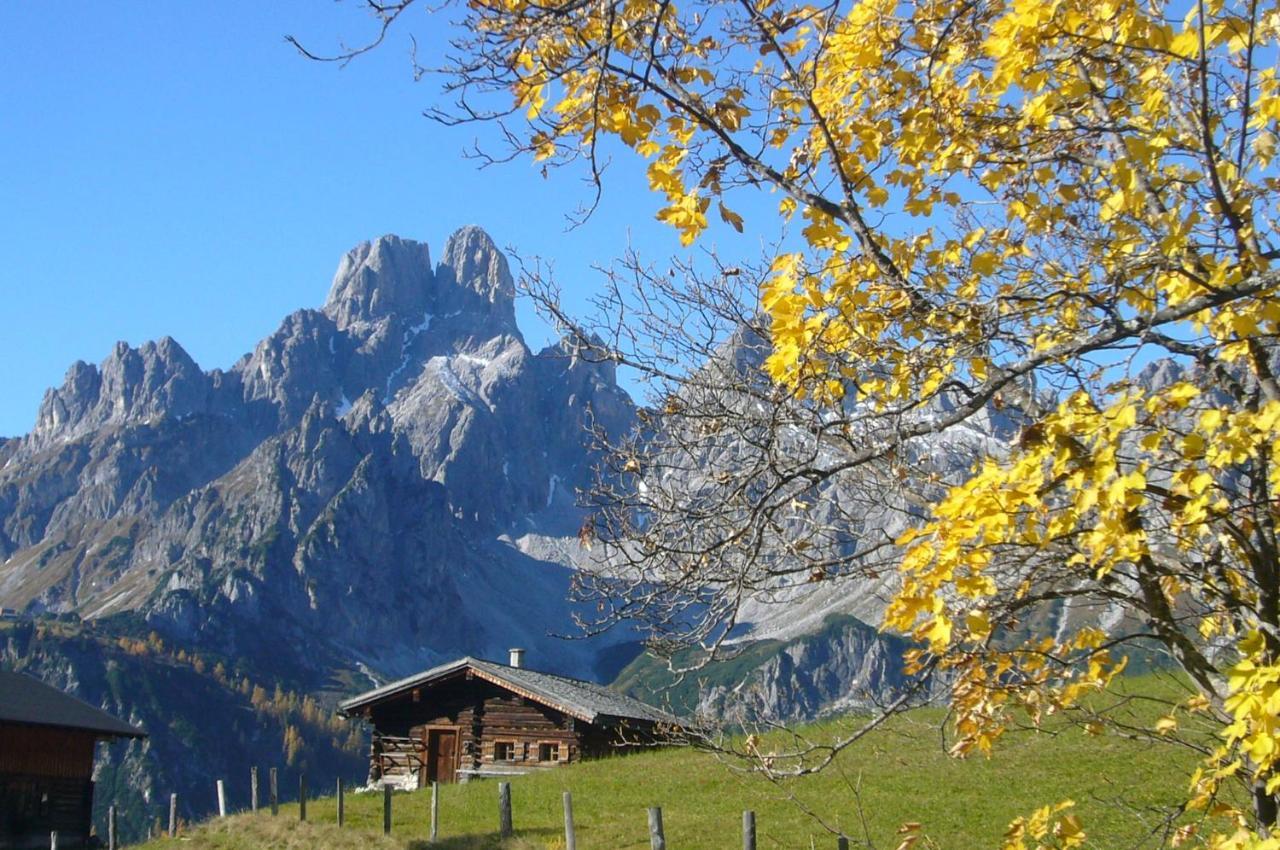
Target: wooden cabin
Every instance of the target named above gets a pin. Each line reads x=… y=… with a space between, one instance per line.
x=471 y=718
x=47 y=742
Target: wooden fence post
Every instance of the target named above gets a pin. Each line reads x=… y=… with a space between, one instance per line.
x=342 y=811
x=253 y=788
x=111 y=828
x=173 y=815
x=435 y=810
x=748 y=830
x=570 y=839
x=842 y=843
x=386 y=809
x=53 y=840
x=657 y=841
x=504 y=809
x=275 y=792
x=222 y=800
x=302 y=796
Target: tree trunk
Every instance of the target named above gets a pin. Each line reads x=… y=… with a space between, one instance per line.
x=1264 y=807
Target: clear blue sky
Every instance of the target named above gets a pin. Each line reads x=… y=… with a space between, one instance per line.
x=177 y=169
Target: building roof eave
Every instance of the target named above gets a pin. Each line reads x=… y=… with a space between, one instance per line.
x=579 y=699
x=346 y=707
x=580 y=714
x=28 y=701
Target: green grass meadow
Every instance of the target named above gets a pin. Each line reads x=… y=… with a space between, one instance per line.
x=900 y=774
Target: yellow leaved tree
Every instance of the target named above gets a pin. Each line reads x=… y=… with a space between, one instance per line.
x=989 y=205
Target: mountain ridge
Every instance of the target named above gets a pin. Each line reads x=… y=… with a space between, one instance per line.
x=149 y=484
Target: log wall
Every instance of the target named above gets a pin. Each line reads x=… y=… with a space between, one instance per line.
x=523 y=725
x=45 y=785
x=498 y=731
x=45 y=751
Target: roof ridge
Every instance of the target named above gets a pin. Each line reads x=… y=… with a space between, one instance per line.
x=593 y=687
x=586 y=699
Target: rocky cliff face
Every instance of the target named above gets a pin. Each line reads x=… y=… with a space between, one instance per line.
x=841 y=665
x=844 y=666
x=346 y=492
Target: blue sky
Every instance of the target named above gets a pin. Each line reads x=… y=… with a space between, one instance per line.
x=177 y=169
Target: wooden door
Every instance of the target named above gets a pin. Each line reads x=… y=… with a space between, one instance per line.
x=442 y=755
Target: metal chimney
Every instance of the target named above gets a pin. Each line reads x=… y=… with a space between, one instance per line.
x=517 y=657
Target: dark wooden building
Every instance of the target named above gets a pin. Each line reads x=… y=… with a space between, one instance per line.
x=472 y=718
x=47 y=742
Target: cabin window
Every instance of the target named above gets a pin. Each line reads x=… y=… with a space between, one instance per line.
x=504 y=751
x=548 y=751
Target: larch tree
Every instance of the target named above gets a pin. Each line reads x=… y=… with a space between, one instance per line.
x=987 y=205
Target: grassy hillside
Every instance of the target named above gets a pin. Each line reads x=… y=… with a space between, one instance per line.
x=1120 y=786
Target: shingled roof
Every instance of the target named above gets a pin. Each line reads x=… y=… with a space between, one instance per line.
x=24 y=699
x=585 y=701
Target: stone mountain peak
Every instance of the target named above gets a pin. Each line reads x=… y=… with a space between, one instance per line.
x=391 y=276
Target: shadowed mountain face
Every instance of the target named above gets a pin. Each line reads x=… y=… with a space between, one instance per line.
x=361 y=488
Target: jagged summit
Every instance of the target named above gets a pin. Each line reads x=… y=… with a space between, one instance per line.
x=392 y=277
x=388 y=316
x=154 y=379
x=473 y=275
x=377 y=279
